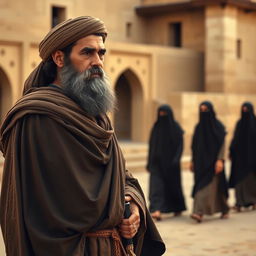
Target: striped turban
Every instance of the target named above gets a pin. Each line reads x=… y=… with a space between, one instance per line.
x=58 y=38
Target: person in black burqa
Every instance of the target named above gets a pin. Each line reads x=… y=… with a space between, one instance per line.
x=165 y=150
x=210 y=191
x=242 y=155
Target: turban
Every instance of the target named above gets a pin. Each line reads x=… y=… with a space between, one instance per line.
x=58 y=38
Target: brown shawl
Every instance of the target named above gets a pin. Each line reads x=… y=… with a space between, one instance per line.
x=64 y=175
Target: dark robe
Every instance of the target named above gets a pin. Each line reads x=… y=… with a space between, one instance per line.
x=165 y=150
x=64 y=175
x=243 y=160
x=207 y=141
x=243 y=147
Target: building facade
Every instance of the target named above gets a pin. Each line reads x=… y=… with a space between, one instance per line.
x=158 y=51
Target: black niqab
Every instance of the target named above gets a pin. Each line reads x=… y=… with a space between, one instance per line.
x=165 y=150
x=207 y=141
x=165 y=138
x=243 y=146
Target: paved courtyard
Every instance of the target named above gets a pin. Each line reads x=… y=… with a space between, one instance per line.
x=235 y=236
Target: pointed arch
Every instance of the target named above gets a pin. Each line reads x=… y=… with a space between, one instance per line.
x=128 y=119
x=5 y=94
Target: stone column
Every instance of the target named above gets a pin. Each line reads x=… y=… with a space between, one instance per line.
x=220 y=48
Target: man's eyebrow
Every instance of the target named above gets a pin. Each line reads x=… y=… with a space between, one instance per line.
x=88 y=49
x=92 y=49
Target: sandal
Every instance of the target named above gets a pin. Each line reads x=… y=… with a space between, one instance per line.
x=196 y=217
x=156 y=215
x=224 y=216
x=237 y=208
x=177 y=214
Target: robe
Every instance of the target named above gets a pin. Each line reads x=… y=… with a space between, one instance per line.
x=208 y=138
x=64 y=176
x=207 y=143
x=243 y=160
x=165 y=150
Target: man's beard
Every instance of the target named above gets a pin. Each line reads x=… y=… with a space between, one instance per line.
x=93 y=94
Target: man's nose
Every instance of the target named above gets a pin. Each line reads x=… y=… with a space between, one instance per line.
x=96 y=60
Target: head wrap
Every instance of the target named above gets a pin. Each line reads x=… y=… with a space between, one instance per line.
x=61 y=36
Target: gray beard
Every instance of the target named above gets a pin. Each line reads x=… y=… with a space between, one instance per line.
x=93 y=94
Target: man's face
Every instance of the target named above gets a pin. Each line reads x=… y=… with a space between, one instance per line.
x=88 y=52
x=83 y=78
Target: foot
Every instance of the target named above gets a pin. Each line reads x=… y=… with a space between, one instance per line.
x=224 y=216
x=156 y=215
x=177 y=214
x=197 y=217
x=237 y=208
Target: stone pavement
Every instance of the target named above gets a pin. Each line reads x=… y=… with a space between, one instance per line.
x=235 y=236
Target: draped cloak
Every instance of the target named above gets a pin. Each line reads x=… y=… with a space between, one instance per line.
x=207 y=141
x=64 y=175
x=165 y=150
x=243 y=147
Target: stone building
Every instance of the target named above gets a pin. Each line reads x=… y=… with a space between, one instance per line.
x=179 y=52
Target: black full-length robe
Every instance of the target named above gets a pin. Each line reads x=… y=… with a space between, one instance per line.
x=64 y=175
x=207 y=141
x=165 y=150
x=243 y=160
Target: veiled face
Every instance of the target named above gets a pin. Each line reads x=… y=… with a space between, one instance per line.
x=204 y=108
x=245 y=109
x=88 y=52
x=162 y=113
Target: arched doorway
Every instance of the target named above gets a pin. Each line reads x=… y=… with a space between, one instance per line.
x=123 y=112
x=5 y=94
x=128 y=118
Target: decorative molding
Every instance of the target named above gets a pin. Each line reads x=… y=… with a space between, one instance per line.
x=161 y=9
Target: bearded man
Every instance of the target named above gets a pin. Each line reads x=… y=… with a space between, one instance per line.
x=64 y=182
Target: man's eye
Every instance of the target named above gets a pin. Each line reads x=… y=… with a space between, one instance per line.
x=102 y=52
x=87 y=53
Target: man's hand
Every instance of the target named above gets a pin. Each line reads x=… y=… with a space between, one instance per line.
x=219 y=166
x=191 y=166
x=129 y=227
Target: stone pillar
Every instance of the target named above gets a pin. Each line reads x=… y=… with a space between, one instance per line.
x=220 y=48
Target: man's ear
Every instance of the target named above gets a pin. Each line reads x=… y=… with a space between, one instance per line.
x=58 y=58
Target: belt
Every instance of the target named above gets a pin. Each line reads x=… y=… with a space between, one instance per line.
x=113 y=234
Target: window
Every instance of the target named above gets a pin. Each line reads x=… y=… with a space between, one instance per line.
x=175 y=33
x=58 y=15
x=239 y=48
x=128 y=29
